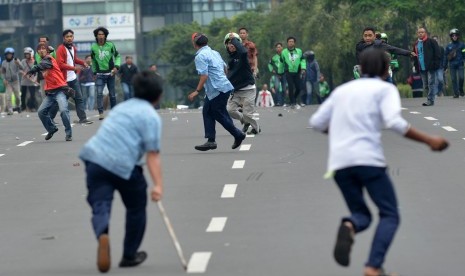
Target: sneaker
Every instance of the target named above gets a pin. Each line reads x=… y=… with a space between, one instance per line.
x=292 y=106
x=246 y=127
x=69 y=138
x=455 y=96
x=85 y=121
x=302 y=104
x=343 y=245
x=254 y=131
x=137 y=260
x=103 y=253
x=50 y=134
x=206 y=146
x=238 y=142
x=297 y=106
x=428 y=103
x=100 y=116
x=462 y=94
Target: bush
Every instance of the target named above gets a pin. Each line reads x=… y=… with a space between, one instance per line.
x=405 y=90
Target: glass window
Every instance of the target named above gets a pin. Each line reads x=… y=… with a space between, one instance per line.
x=120 y=7
x=83 y=9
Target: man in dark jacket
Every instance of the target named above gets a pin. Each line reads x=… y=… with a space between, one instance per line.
x=455 y=55
x=127 y=71
x=241 y=77
x=427 y=63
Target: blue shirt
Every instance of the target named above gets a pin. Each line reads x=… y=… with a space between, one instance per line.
x=209 y=62
x=421 y=55
x=131 y=129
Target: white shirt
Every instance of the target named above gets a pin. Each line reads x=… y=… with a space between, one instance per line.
x=70 y=74
x=264 y=99
x=355 y=114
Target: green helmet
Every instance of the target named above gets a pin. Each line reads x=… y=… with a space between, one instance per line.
x=226 y=38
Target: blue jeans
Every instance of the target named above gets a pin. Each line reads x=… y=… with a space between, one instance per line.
x=100 y=82
x=49 y=100
x=78 y=101
x=88 y=93
x=280 y=85
x=311 y=88
x=101 y=185
x=456 y=75
x=215 y=111
x=440 y=76
x=430 y=84
x=352 y=181
x=128 y=90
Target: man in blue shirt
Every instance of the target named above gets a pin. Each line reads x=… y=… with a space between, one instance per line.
x=113 y=162
x=211 y=68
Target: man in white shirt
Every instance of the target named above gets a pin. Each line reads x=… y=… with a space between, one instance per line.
x=264 y=98
x=354 y=116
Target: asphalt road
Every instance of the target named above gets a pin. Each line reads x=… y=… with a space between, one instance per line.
x=280 y=217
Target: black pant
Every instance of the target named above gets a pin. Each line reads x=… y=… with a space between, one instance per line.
x=293 y=84
x=31 y=103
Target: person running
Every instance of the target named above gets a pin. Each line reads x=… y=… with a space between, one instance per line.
x=55 y=85
x=294 y=68
x=106 y=171
x=106 y=61
x=28 y=85
x=455 y=55
x=241 y=77
x=211 y=68
x=11 y=67
x=356 y=154
x=67 y=60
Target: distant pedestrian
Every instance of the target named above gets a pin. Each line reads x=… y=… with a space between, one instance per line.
x=276 y=67
x=312 y=78
x=441 y=73
x=127 y=71
x=11 y=66
x=132 y=130
x=454 y=58
x=324 y=88
x=264 y=98
x=30 y=86
x=87 y=81
x=294 y=68
x=106 y=61
x=356 y=154
x=211 y=68
x=2 y=95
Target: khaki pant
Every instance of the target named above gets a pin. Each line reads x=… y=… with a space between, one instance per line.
x=12 y=87
x=246 y=99
x=2 y=102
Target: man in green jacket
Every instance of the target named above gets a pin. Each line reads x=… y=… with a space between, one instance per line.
x=294 y=69
x=276 y=66
x=105 y=63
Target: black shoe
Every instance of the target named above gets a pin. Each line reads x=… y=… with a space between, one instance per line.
x=238 y=142
x=455 y=96
x=462 y=94
x=206 y=146
x=254 y=131
x=246 y=127
x=137 y=260
x=103 y=253
x=85 y=121
x=50 y=134
x=428 y=103
x=69 y=138
x=343 y=245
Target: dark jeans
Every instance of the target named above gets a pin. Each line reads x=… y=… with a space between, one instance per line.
x=78 y=102
x=101 y=184
x=457 y=76
x=293 y=84
x=352 y=181
x=215 y=110
x=31 y=103
x=100 y=82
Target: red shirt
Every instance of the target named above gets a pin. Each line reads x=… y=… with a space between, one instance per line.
x=251 y=53
x=53 y=76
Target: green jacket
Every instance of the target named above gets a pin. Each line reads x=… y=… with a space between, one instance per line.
x=324 y=89
x=276 y=64
x=38 y=59
x=105 y=57
x=293 y=60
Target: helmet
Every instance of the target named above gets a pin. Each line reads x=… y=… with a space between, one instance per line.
x=308 y=54
x=384 y=36
x=226 y=38
x=454 y=31
x=9 y=50
x=28 y=50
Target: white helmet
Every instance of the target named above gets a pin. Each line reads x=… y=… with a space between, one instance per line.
x=28 y=50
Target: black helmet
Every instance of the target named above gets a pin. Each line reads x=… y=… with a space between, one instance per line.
x=454 y=31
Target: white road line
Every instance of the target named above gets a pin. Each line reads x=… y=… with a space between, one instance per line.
x=24 y=143
x=430 y=118
x=449 y=128
x=45 y=134
x=229 y=190
x=415 y=112
x=216 y=224
x=250 y=135
x=198 y=262
x=256 y=114
x=1 y=154
x=404 y=108
x=245 y=147
x=238 y=164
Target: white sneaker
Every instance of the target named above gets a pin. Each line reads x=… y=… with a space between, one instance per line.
x=298 y=106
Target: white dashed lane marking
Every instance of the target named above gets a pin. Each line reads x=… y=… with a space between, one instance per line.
x=238 y=164
x=250 y=135
x=415 y=112
x=449 y=128
x=198 y=262
x=1 y=154
x=24 y=143
x=217 y=224
x=431 y=119
x=229 y=190
x=245 y=147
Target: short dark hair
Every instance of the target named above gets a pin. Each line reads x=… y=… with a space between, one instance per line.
x=43 y=36
x=243 y=28
x=87 y=56
x=128 y=57
x=369 y=29
x=374 y=62
x=278 y=43
x=65 y=32
x=147 y=86
x=202 y=40
x=291 y=37
x=103 y=29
